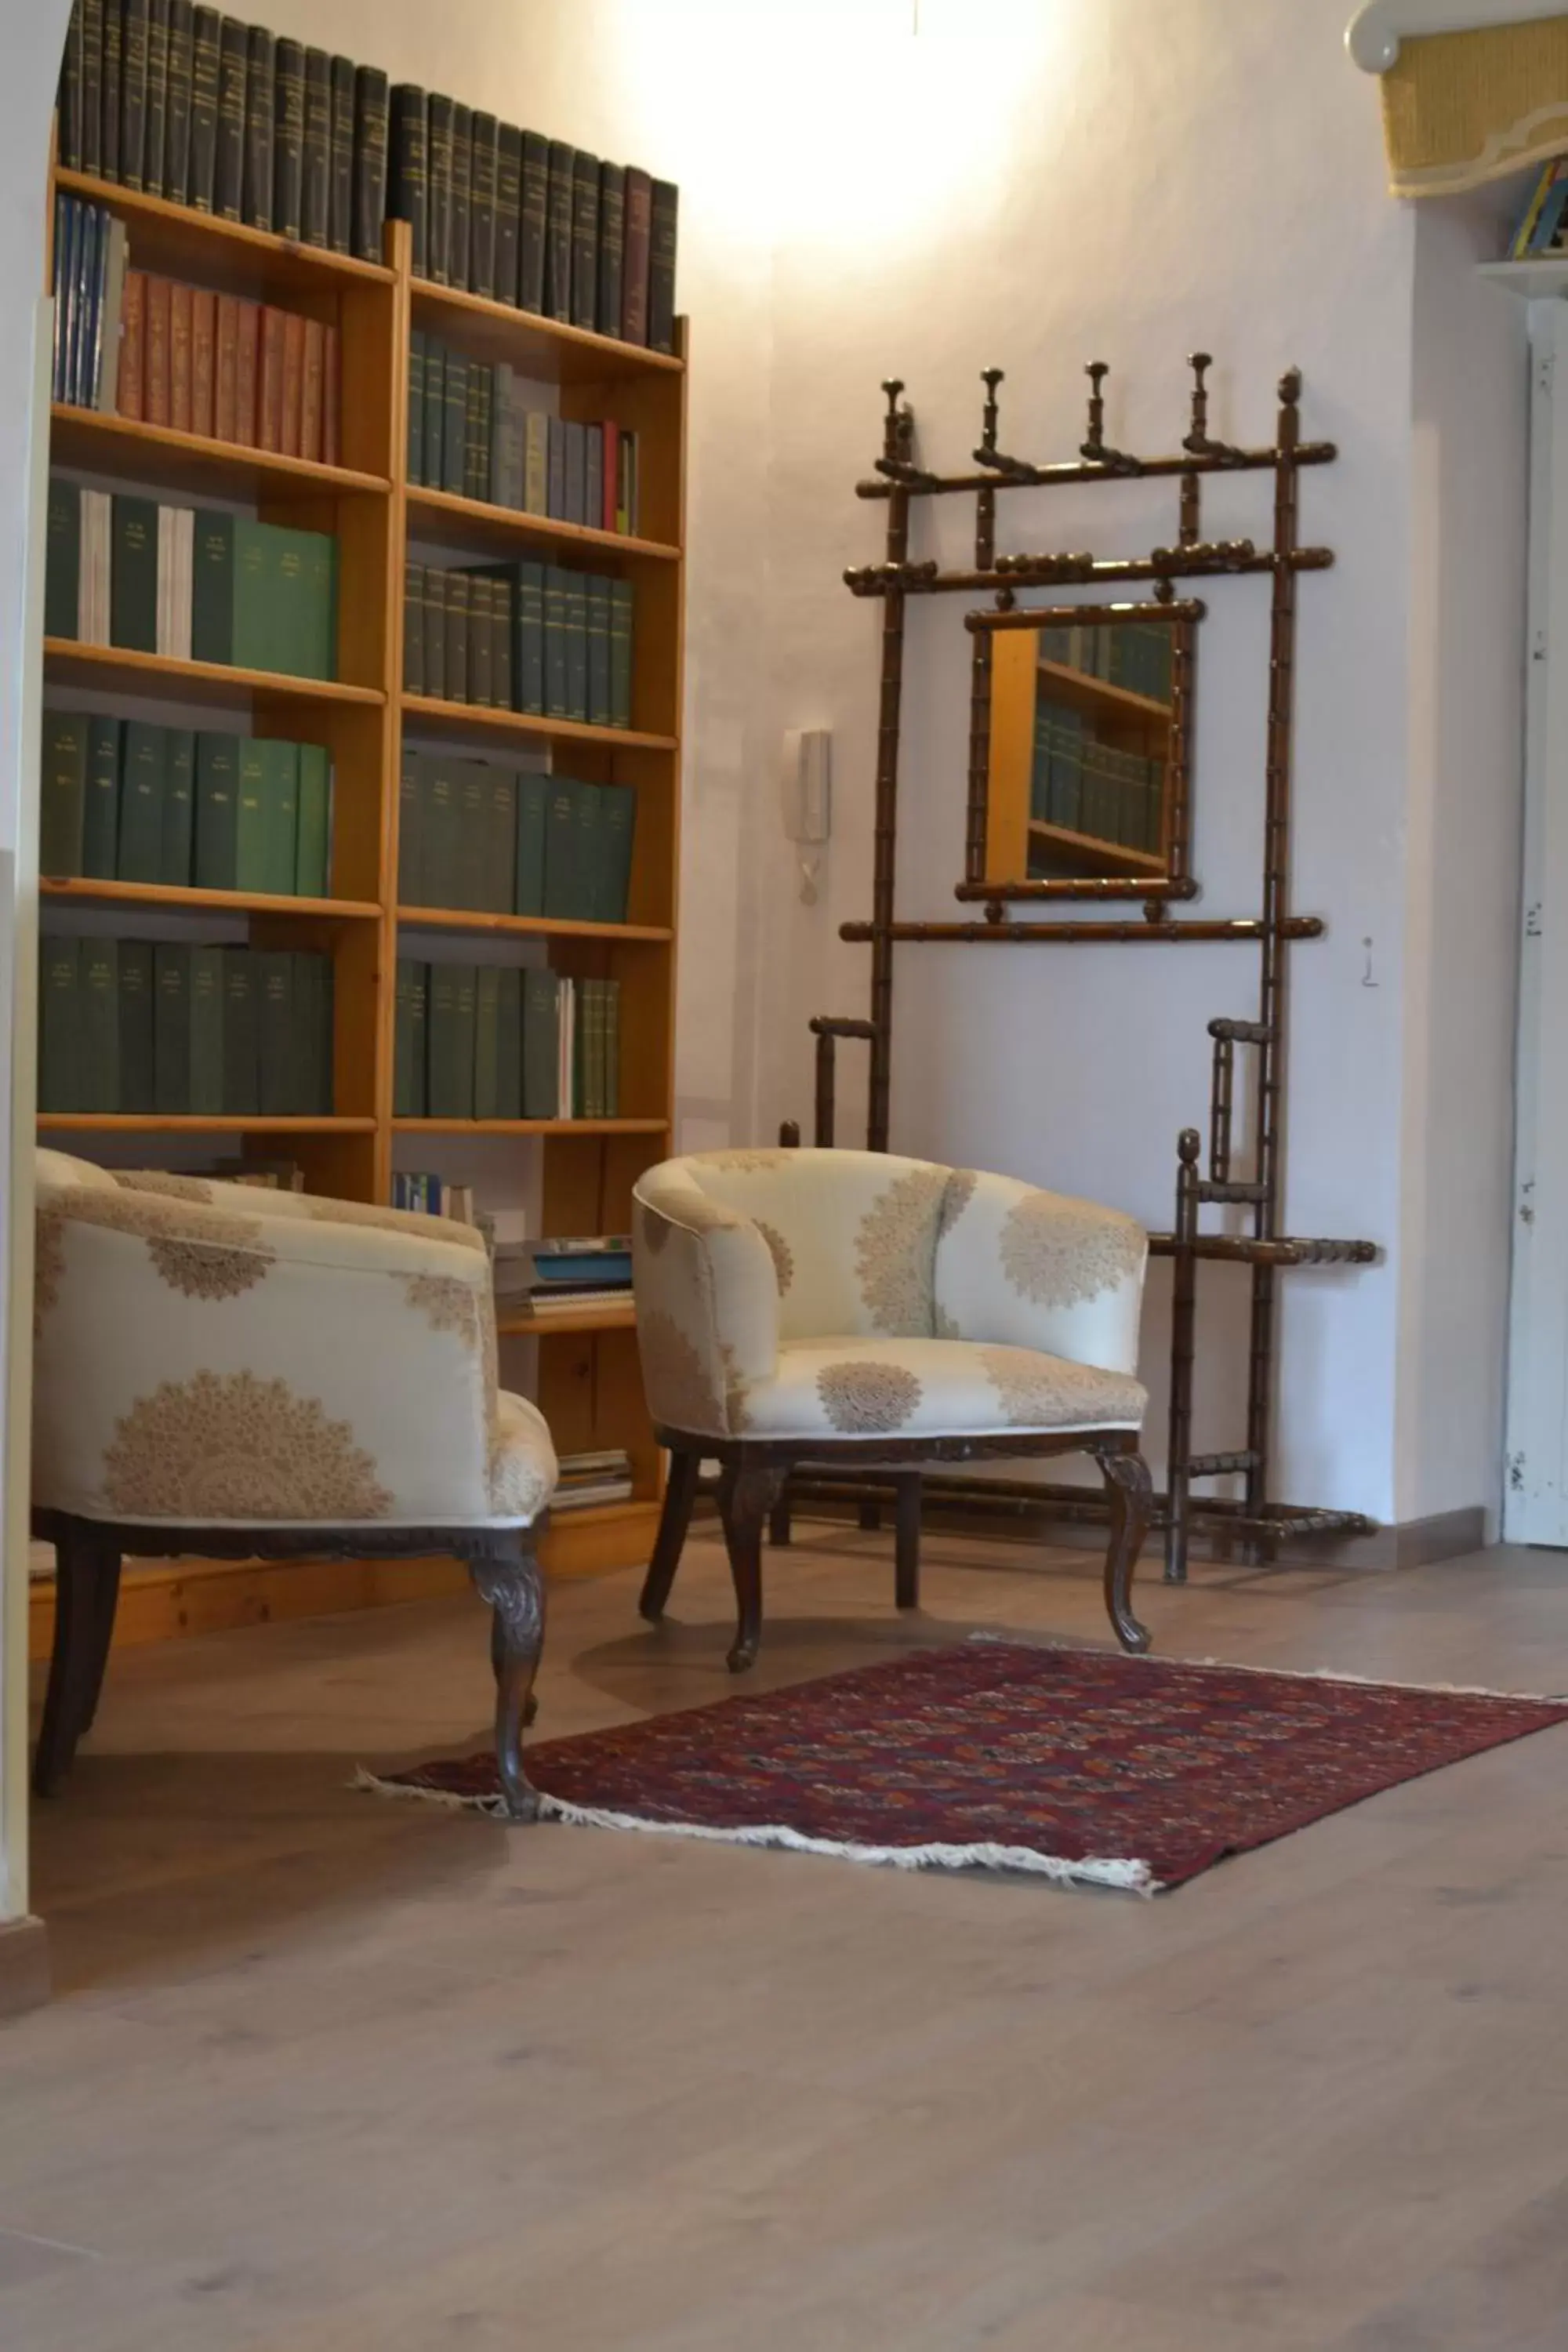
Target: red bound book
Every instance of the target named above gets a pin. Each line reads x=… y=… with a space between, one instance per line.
x=246 y=374
x=607 y=520
x=270 y=383
x=129 y=391
x=634 y=264
x=180 y=357
x=292 y=418
x=203 y=359
x=331 y=400
x=315 y=387
x=225 y=411
x=157 y=391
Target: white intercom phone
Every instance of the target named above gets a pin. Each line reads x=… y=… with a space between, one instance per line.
x=807 y=797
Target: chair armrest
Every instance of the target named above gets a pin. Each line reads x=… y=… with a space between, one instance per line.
x=298 y=1208
x=212 y=1362
x=707 y=1304
x=1020 y=1267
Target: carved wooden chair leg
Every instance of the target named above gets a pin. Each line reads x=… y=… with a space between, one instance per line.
x=679 y=1495
x=907 y=1540
x=746 y=1498
x=68 y=1702
x=1128 y=1488
x=498 y=1666
x=506 y=1574
x=780 y=1519
x=106 y=1604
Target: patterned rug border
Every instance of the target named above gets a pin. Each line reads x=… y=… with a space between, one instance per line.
x=1252 y=1666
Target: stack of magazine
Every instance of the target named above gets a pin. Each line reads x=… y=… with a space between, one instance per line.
x=586 y=1479
x=570 y=1277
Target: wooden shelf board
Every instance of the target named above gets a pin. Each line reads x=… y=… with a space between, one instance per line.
x=531 y=1125
x=471 y=523
x=460 y=718
x=1099 y=694
x=546 y=927
x=544 y=349
x=1546 y=275
x=131 y=449
x=1111 y=854
x=168 y=897
x=179 y=241
x=116 y=666
x=519 y=1324
x=103 y=1122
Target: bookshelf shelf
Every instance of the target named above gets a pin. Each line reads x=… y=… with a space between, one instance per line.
x=166 y=898
x=1537 y=280
x=584 y=1128
x=94 y=1122
x=471 y=721
x=116 y=670
x=528 y=927
x=129 y=449
x=1098 y=695
x=544 y=349
x=182 y=243
x=437 y=516
x=1108 y=857
x=517 y=1324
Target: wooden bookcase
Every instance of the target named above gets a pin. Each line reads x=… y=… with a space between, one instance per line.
x=588 y=1381
x=1020 y=674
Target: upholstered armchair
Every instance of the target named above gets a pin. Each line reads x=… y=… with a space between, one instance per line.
x=798 y=1306
x=233 y=1372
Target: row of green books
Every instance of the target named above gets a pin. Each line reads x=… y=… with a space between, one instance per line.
x=504 y=213
x=472 y=433
x=197 y=108
x=494 y=839
x=176 y=1031
x=125 y=800
x=1088 y=787
x=494 y=1042
x=1131 y=653
x=520 y=636
x=190 y=583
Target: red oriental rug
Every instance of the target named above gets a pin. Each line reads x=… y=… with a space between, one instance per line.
x=1131 y=1772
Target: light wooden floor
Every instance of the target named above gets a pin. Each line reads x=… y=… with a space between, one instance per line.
x=333 y=2075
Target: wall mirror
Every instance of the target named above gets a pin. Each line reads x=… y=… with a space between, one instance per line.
x=1086 y=754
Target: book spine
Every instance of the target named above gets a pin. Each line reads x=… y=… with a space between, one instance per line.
x=341 y=210
x=533 y=216
x=435 y=633
x=500 y=863
x=661 y=267
x=471 y=782
x=250 y=818
x=142 y=802
x=312 y=865
x=212 y=606
x=292 y=427
x=561 y=831
x=218 y=811
x=171 y=1030
x=313 y=436
x=555 y=482
x=439 y=187
x=90 y=13
x=225 y=363
x=609 y=473
x=541 y=1045
x=457 y=636
x=617 y=823
x=483 y=207
x=481 y=687
x=410 y=832
x=486 y=1040
x=135 y=1014
x=459 y=228
x=577 y=646
x=558 y=228
x=574 y=437
x=508 y=210
x=260 y=127
x=413 y=627
x=157 y=112
x=533 y=804
x=316 y=175
x=62 y=793
x=246 y=374
x=59 y=1025
x=289 y=140
x=133 y=92
x=509 y=1043
x=620 y=653
x=585 y=240
x=454 y=435
x=206 y=36
x=179 y=807
x=70 y=100
x=594 y=476
x=405 y=1093
x=371 y=101
x=182 y=327
x=158 y=388
x=612 y=244
x=240 y=1032
x=177 y=111
x=280 y=816
x=438 y=829
x=450 y=1041
x=234 y=74
x=432 y=462
x=269 y=397
x=407 y=196
x=415 y=457
x=100 y=1017
x=331 y=397
x=612 y=1048
x=100 y=808
x=502 y=680
x=129 y=395
x=529 y=655
x=203 y=362
x=133 y=575
x=600 y=705
x=204 y=1013
x=536 y=463
x=635 y=256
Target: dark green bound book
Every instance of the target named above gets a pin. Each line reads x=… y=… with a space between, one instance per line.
x=156 y=115
x=558 y=225
x=406 y=1092
x=206 y=39
x=406 y=171
x=481 y=655
x=134 y=574
x=541 y=1045
x=418 y=1024
x=171 y=1029
x=458 y=228
x=503 y=605
x=410 y=832
x=435 y=413
x=250 y=867
x=482 y=209
x=177 y=118
x=438 y=806
x=240 y=1034
x=533 y=216
x=313 y=849
x=233 y=77
x=280 y=1090
x=137 y=1079
x=508 y=209
x=457 y=636
x=372 y=90
x=557 y=632
x=454 y=427
x=528 y=638
x=612 y=1049
x=486 y=1040
x=617 y=839
x=620 y=653
x=501 y=839
x=561 y=838
x=413 y=627
x=174 y=863
x=59 y=1025
x=438 y=192
x=585 y=239
x=62 y=562
x=340 y=185
x=204 y=1027
x=314 y=1030
x=89 y=17
x=576 y=646
x=98 y=1066
x=62 y=794
x=132 y=92
x=612 y=243
x=108 y=92
x=661 y=267
x=435 y=633
x=600 y=702
x=218 y=811
x=280 y=816
x=289 y=140
x=316 y=195
x=471 y=783
x=142 y=759
x=451 y=1048
x=260 y=101
x=100 y=814
x=216 y=543
x=533 y=802
x=587 y=859
x=416 y=367
x=508 y=1042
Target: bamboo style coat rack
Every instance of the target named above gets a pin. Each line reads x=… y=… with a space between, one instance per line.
x=1254 y=1522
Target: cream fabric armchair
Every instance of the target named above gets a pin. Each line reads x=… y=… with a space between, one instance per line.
x=799 y=1305
x=228 y=1371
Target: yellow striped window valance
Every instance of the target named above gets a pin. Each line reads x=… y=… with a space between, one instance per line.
x=1462 y=108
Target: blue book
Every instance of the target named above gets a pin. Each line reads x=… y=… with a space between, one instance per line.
x=1544 y=233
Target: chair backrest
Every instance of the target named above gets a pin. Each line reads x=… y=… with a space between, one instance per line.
x=853 y=1234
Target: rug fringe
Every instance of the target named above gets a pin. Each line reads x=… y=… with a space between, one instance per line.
x=1132 y=1877
x=1296 y=1673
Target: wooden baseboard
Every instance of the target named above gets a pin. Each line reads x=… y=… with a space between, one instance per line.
x=24 y=1966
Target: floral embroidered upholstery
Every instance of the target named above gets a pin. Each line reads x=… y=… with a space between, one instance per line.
x=853 y=1294
x=224 y=1355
